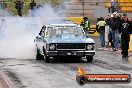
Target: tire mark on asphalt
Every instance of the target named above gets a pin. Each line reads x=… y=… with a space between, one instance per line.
x=13 y=77
x=66 y=72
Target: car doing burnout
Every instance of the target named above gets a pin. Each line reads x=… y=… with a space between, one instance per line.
x=63 y=40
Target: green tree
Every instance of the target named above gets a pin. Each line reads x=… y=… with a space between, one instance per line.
x=11 y=5
x=54 y=2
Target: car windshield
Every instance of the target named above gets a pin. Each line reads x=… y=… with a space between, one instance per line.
x=64 y=30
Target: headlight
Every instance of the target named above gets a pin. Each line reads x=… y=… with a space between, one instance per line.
x=90 y=47
x=52 y=47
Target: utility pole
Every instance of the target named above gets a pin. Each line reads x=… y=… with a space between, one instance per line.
x=83 y=4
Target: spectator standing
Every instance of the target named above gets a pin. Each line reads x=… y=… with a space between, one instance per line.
x=108 y=20
x=107 y=30
x=19 y=7
x=125 y=31
x=3 y=7
x=114 y=6
x=119 y=20
x=110 y=40
x=117 y=6
x=101 y=29
x=85 y=24
x=114 y=25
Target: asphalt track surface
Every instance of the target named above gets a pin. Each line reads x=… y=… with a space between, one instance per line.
x=30 y=73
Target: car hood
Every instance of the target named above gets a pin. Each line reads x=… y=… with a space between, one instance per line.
x=70 y=39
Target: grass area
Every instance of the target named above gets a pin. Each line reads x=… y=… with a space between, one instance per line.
x=12 y=10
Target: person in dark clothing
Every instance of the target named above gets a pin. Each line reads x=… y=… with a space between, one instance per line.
x=32 y=4
x=125 y=31
x=114 y=25
x=110 y=34
x=110 y=39
x=19 y=7
x=108 y=20
x=119 y=36
x=33 y=7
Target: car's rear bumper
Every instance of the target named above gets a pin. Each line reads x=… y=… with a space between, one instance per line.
x=71 y=53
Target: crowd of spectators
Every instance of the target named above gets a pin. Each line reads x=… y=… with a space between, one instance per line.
x=120 y=29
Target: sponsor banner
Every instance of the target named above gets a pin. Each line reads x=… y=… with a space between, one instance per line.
x=92 y=31
x=83 y=78
x=109 y=78
x=103 y=78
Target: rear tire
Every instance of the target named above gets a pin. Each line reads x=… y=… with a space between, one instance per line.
x=89 y=58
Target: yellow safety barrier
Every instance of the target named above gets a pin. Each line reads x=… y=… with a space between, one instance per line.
x=78 y=20
x=92 y=31
x=130 y=44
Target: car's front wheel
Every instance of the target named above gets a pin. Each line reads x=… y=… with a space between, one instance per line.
x=89 y=58
x=46 y=58
x=38 y=55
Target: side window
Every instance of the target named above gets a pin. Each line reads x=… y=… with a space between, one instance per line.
x=46 y=32
x=49 y=32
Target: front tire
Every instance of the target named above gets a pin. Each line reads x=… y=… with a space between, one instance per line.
x=38 y=55
x=89 y=58
x=46 y=58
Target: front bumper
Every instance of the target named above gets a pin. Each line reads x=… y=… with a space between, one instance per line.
x=70 y=53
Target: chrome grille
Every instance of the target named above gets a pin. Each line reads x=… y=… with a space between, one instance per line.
x=70 y=46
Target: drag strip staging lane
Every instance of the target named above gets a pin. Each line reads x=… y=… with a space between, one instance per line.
x=29 y=73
